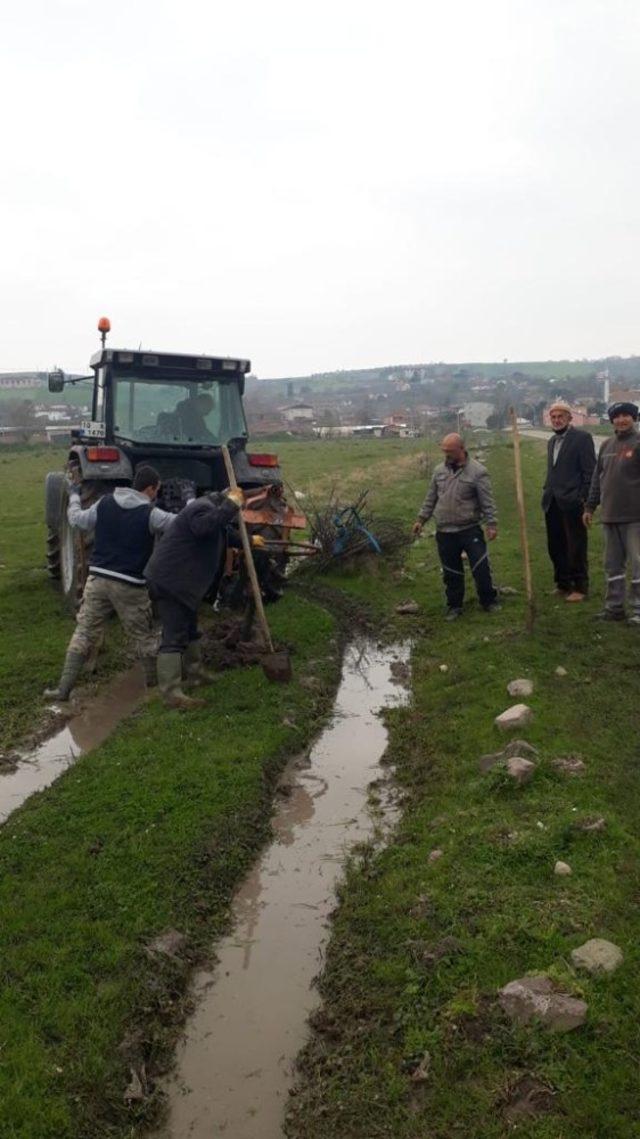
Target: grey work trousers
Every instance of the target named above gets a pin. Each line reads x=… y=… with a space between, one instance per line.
x=622 y=549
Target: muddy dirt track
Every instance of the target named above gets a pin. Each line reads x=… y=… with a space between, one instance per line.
x=235 y=1065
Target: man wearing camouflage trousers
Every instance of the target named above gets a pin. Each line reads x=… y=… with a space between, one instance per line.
x=125 y=525
x=460 y=497
x=615 y=486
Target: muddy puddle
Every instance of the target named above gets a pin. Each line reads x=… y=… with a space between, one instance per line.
x=86 y=729
x=235 y=1064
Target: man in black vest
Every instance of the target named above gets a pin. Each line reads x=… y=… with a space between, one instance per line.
x=571 y=458
x=125 y=524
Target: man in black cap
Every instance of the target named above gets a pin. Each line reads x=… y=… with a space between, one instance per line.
x=616 y=487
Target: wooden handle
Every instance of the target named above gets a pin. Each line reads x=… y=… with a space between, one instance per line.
x=524 y=538
x=248 y=553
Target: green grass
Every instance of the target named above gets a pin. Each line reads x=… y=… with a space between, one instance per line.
x=385 y=1003
x=154 y=829
x=149 y=832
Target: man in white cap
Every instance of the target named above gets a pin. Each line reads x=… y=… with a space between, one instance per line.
x=571 y=458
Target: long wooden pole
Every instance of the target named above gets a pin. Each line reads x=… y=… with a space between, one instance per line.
x=248 y=555
x=524 y=537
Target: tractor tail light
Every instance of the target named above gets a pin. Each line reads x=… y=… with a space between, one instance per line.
x=263 y=460
x=102 y=454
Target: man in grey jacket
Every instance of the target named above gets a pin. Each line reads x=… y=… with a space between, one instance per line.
x=460 y=497
x=615 y=486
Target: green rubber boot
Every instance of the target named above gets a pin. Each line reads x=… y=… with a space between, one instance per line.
x=71 y=670
x=170 y=683
x=193 y=669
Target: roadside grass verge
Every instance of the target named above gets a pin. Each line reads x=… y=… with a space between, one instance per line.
x=419 y=948
x=150 y=832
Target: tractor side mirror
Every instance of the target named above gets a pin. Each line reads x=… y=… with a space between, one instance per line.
x=55 y=381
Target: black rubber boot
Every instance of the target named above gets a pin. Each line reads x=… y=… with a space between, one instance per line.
x=71 y=670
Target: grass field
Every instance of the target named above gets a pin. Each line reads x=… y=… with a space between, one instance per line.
x=154 y=828
x=149 y=832
x=420 y=948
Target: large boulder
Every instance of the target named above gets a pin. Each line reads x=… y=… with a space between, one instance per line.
x=535 y=998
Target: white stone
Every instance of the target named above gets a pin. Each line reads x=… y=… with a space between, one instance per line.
x=444 y=668
x=520 y=769
x=597 y=956
x=435 y=855
x=534 y=998
x=517 y=716
x=562 y=869
x=522 y=687
x=560 y=671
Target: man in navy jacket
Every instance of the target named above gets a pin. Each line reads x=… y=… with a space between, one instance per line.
x=571 y=458
x=125 y=524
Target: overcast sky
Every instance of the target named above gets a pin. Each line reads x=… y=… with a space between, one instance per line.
x=320 y=186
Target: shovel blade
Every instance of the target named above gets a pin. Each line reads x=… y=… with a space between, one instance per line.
x=277 y=667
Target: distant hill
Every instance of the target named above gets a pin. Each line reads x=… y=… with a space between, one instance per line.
x=623 y=369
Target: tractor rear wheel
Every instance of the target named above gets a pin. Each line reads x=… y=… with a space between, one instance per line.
x=53 y=554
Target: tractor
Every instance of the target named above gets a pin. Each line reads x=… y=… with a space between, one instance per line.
x=173 y=411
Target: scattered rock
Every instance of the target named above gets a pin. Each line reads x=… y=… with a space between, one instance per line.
x=435 y=855
x=520 y=769
x=520 y=747
x=507 y=591
x=407 y=608
x=562 y=869
x=597 y=956
x=528 y=1098
x=444 y=667
x=534 y=998
x=560 y=671
x=137 y=1087
x=170 y=944
x=288 y=723
x=591 y=824
x=569 y=765
x=514 y=748
x=522 y=687
x=515 y=717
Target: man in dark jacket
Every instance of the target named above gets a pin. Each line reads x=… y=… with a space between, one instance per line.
x=571 y=458
x=616 y=486
x=181 y=570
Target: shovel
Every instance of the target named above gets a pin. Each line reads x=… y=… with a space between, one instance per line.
x=275 y=665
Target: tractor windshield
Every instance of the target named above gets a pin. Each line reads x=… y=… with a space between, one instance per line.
x=189 y=413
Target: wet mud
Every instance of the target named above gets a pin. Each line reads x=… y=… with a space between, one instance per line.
x=37 y=768
x=235 y=1064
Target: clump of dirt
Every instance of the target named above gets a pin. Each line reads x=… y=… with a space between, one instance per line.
x=527 y=1098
